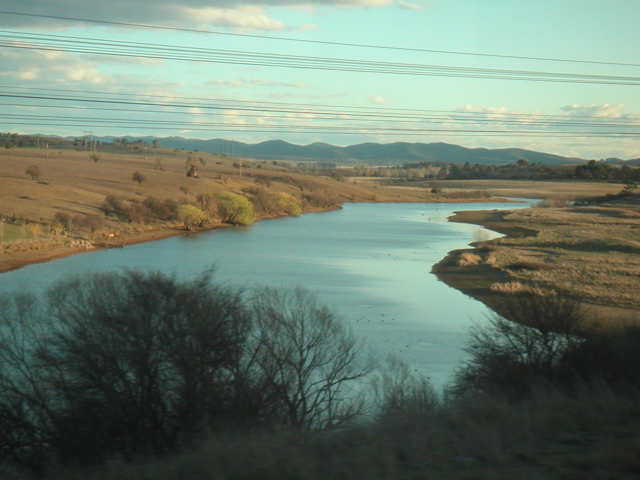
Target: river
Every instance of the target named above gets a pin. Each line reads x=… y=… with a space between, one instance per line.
x=369 y=262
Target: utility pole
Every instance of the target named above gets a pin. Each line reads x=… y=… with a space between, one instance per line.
x=89 y=134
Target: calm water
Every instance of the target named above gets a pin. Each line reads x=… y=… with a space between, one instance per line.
x=370 y=262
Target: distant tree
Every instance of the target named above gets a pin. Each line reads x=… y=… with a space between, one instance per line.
x=190 y=165
x=192 y=172
x=593 y=170
x=139 y=177
x=34 y=171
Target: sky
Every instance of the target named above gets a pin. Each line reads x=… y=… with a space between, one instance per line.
x=554 y=76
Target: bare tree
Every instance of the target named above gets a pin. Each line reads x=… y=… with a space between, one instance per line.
x=308 y=358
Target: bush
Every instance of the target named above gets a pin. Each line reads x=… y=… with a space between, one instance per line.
x=510 y=357
x=124 y=363
x=309 y=358
x=275 y=203
x=235 y=209
x=468 y=259
x=165 y=210
x=191 y=216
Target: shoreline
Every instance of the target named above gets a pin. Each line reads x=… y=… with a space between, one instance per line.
x=31 y=256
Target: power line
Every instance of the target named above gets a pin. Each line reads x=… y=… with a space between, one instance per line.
x=320 y=42
x=363 y=120
x=268 y=106
x=236 y=57
x=449 y=117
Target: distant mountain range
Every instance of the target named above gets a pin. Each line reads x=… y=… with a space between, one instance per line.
x=370 y=153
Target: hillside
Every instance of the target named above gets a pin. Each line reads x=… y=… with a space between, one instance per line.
x=65 y=208
x=370 y=153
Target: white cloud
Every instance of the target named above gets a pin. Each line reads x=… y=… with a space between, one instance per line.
x=49 y=67
x=377 y=100
x=253 y=14
x=601 y=111
x=246 y=82
x=242 y=18
x=410 y=6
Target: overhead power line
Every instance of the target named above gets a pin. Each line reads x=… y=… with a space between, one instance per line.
x=82 y=100
x=106 y=47
x=78 y=109
x=316 y=42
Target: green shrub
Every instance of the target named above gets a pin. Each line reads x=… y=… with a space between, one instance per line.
x=235 y=209
x=191 y=216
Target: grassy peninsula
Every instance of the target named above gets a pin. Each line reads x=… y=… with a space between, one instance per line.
x=588 y=251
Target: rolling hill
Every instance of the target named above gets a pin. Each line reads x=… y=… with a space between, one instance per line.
x=370 y=153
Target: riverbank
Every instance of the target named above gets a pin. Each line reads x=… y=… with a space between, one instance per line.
x=590 y=253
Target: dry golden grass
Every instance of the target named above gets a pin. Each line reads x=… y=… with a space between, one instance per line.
x=595 y=252
x=557 y=190
x=467 y=258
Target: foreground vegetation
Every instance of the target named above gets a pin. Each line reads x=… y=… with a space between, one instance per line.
x=140 y=375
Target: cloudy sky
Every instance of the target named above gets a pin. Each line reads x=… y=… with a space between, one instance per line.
x=556 y=76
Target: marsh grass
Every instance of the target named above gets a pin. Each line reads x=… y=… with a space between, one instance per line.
x=590 y=252
x=468 y=258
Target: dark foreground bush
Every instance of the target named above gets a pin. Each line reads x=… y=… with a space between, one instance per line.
x=135 y=364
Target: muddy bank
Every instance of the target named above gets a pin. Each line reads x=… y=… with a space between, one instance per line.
x=32 y=253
